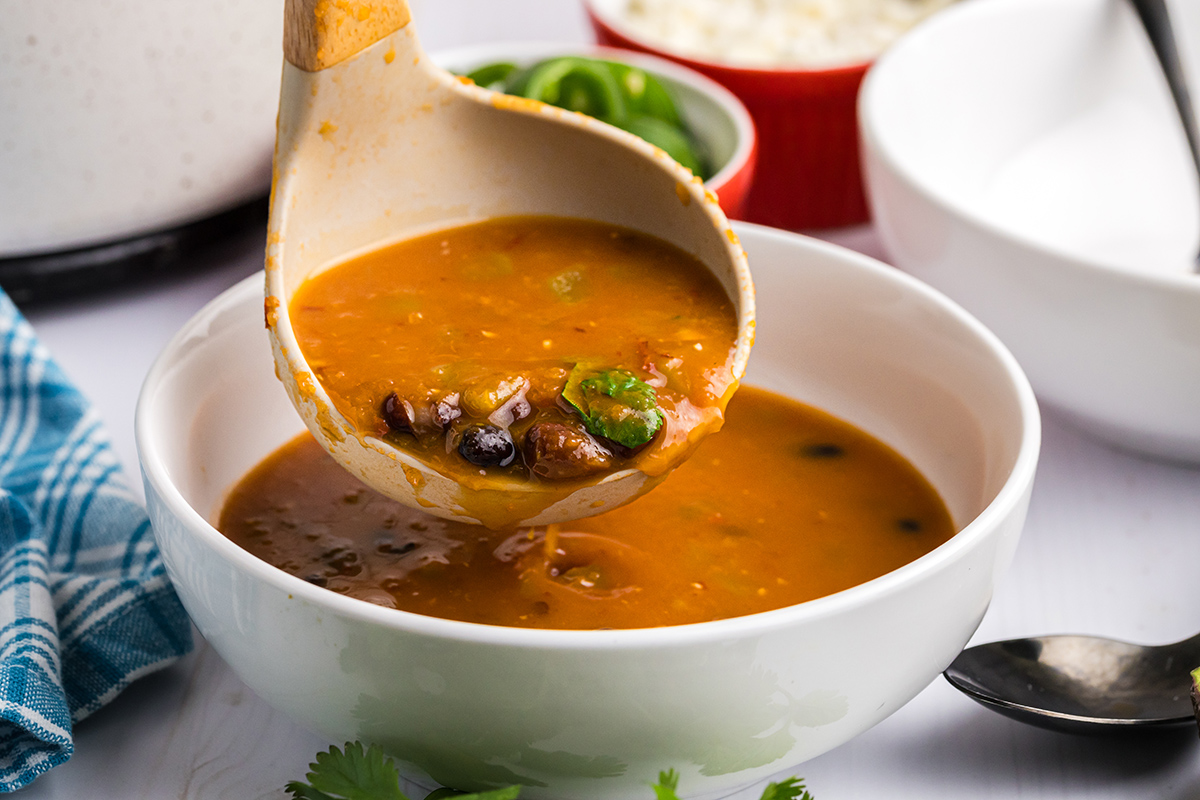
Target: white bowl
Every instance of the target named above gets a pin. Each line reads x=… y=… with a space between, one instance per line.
x=713 y=114
x=1024 y=157
x=580 y=714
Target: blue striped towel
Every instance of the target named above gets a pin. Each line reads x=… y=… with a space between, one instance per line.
x=85 y=605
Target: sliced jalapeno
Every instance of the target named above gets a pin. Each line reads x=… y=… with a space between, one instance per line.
x=492 y=76
x=578 y=84
x=619 y=94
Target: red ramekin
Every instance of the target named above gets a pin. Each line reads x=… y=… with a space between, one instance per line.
x=807 y=121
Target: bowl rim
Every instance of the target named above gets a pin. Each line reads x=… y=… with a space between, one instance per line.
x=1006 y=500
x=601 y=16
x=725 y=100
x=875 y=141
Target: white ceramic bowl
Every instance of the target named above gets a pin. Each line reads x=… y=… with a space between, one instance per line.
x=581 y=714
x=713 y=114
x=1024 y=157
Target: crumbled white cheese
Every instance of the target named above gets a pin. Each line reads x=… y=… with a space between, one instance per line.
x=809 y=33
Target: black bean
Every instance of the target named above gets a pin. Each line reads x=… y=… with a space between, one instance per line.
x=556 y=451
x=823 y=450
x=487 y=446
x=909 y=525
x=317 y=579
x=390 y=548
x=398 y=414
x=343 y=560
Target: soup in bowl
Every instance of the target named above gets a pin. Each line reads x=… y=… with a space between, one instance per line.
x=590 y=713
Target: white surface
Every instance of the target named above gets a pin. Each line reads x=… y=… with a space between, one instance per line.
x=1110 y=547
x=1037 y=174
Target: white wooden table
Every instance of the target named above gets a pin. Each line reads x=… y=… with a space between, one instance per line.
x=1112 y=546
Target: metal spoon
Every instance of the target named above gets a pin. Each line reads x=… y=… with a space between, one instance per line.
x=1081 y=684
x=1157 y=22
x=1086 y=684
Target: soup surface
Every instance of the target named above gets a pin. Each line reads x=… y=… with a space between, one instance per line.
x=786 y=504
x=524 y=348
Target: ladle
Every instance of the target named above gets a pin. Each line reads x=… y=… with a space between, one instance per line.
x=1081 y=684
x=376 y=144
x=1157 y=21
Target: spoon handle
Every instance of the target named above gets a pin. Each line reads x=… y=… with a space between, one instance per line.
x=1156 y=20
x=318 y=33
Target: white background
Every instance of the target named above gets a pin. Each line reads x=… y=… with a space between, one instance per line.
x=1112 y=546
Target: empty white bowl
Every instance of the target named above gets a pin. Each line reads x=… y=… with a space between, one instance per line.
x=1024 y=157
x=581 y=714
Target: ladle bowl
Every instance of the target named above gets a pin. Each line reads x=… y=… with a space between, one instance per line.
x=376 y=144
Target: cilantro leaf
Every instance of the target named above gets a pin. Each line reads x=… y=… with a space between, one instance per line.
x=302 y=791
x=352 y=774
x=668 y=782
x=614 y=404
x=790 y=789
x=507 y=793
x=356 y=773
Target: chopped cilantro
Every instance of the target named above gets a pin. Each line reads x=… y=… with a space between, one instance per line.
x=355 y=773
x=790 y=789
x=507 y=793
x=614 y=404
x=358 y=774
x=668 y=782
x=352 y=774
x=1196 y=693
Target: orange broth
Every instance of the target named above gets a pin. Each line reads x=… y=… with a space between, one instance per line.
x=459 y=346
x=785 y=504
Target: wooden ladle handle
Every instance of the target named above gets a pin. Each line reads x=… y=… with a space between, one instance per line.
x=320 y=33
